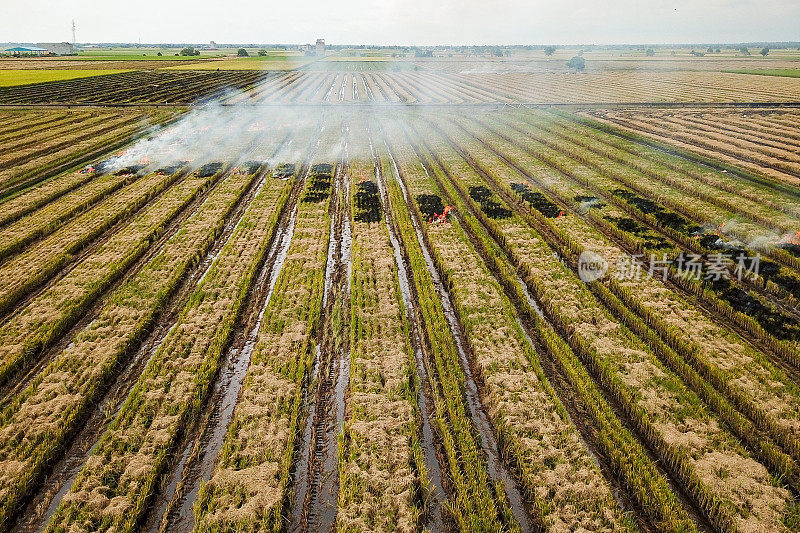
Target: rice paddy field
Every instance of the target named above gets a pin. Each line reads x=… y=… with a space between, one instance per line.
x=10 y=78
x=361 y=293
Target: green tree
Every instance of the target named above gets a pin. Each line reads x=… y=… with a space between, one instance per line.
x=189 y=51
x=262 y=53
x=577 y=63
x=764 y=51
x=650 y=52
x=549 y=50
x=241 y=52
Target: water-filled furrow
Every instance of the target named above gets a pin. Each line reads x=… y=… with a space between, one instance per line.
x=495 y=466
x=317 y=479
x=43 y=505
x=436 y=494
x=174 y=509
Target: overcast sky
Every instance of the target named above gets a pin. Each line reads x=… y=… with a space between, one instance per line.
x=403 y=21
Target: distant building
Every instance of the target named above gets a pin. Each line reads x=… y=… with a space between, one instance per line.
x=212 y=45
x=59 y=49
x=321 y=47
x=26 y=50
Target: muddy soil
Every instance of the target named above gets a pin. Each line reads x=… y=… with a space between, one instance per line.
x=173 y=507
x=572 y=403
x=497 y=469
x=316 y=484
x=432 y=453
x=35 y=515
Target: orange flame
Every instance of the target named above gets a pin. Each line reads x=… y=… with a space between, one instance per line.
x=787 y=239
x=440 y=219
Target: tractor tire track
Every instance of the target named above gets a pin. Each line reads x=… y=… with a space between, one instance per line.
x=40 y=508
x=432 y=454
x=173 y=509
x=316 y=488
x=497 y=470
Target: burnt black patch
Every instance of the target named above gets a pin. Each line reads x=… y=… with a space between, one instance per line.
x=480 y=193
x=768 y=269
x=707 y=240
x=489 y=206
x=132 y=169
x=536 y=200
x=102 y=167
x=319 y=185
x=668 y=219
x=322 y=168
x=170 y=169
x=628 y=225
x=772 y=320
x=713 y=241
x=780 y=276
x=284 y=170
x=792 y=248
x=431 y=206
x=209 y=169
x=251 y=167
x=367 y=202
x=785 y=280
x=665 y=218
x=643 y=204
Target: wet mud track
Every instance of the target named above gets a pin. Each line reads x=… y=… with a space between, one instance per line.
x=63 y=473
x=172 y=509
x=498 y=471
x=432 y=455
x=316 y=484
